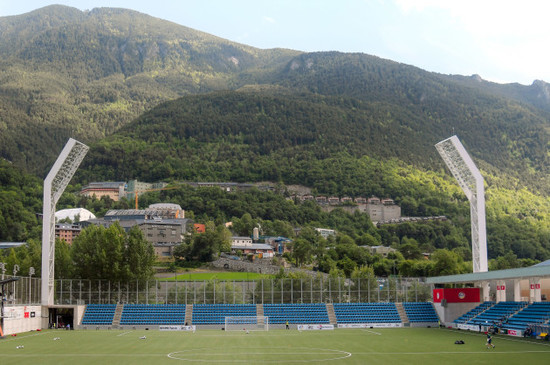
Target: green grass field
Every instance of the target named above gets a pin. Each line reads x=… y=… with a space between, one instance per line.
x=344 y=346
x=227 y=276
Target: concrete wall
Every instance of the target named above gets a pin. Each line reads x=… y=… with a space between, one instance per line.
x=16 y=321
x=263 y=266
x=452 y=311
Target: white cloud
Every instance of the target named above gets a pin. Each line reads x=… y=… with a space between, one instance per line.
x=510 y=35
x=269 y=20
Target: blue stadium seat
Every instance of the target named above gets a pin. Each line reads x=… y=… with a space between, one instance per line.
x=99 y=314
x=314 y=313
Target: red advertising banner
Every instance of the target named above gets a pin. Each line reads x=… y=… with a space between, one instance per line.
x=537 y=286
x=532 y=286
x=26 y=314
x=460 y=295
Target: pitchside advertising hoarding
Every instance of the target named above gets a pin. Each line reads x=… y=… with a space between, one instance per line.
x=453 y=295
x=370 y=325
x=177 y=328
x=315 y=327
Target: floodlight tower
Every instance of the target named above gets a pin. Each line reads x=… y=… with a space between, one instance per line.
x=470 y=180
x=54 y=185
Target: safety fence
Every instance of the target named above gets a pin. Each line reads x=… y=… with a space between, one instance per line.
x=307 y=290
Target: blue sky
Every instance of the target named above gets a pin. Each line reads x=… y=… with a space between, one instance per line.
x=501 y=40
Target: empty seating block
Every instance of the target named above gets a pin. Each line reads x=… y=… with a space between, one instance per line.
x=216 y=313
x=315 y=313
x=153 y=314
x=366 y=313
x=535 y=313
x=474 y=312
x=497 y=313
x=420 y=312
x=99 y=314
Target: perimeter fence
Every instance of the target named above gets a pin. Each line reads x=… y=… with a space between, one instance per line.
x=308 y=290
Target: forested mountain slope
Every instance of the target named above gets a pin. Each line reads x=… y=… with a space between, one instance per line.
x=65 y=73
x=84 y=74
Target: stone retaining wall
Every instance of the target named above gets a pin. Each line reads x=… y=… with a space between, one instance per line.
x=259 y=266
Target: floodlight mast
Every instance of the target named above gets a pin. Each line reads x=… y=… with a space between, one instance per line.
x=470 y=180
x=54 y=185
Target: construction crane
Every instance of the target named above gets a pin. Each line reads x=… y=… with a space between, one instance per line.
x=136 y=192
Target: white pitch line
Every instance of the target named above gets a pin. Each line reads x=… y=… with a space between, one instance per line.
x=507 y=338
x=450 y=352
x=21 y=337
x=124 y=333
x=190 y=355
x=19 y=354
x=373 y=332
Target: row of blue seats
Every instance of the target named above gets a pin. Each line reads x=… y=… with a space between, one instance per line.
x=300 y=320
x=99 y=314
x=278 y=313
x=497 y=313
x=474 y=312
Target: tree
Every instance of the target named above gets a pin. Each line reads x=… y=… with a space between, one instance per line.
x=347 y=265
x=112 y=254
x=63 y=262
x=201 y=247
x=301 y=251
x=446 y=263
x=409 y=249
x=139 y=257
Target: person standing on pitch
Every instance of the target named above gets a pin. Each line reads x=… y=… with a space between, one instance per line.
x=489 y=340
x=287 y=327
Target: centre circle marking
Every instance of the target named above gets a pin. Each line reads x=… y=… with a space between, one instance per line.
x=209 y=355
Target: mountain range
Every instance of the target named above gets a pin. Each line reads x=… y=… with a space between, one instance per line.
x=159 y=101
x=87 y=74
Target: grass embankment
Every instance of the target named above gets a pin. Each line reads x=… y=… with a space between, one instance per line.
x=222 y=276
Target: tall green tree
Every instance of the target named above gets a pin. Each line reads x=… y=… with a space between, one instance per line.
x=63 y=261
x=112 y=254
x=139 y=257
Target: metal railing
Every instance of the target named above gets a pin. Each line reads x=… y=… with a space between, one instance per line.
x=320 y=289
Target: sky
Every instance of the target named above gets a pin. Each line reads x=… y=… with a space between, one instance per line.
x=501 y=40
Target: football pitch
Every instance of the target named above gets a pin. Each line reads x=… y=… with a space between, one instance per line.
x=342 y=346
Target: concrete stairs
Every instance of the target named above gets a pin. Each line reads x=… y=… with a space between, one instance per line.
x=259 y=310
x=331 y=314
x=118 y=315
x=189 y=314
x=402 y=314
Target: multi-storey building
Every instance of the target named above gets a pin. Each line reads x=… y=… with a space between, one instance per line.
x=67 y=232
x=114 y=190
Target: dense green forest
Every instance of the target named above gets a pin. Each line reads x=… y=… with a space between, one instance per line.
x=67 y=73
x=514 y=240
x=158 y=101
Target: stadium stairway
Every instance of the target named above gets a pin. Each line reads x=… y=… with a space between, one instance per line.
x=402 y=314
x=189 y=314
x=331 y=314
x=259 y=310
x=118 y=315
